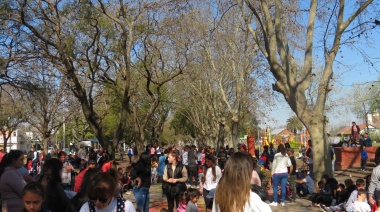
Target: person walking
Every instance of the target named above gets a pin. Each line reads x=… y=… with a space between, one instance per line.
x=175 y=176
x=281 y=162
x=234 y=189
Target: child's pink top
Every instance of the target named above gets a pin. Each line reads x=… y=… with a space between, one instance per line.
x=182 y=207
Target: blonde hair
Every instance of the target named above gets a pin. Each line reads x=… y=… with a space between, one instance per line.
x=234 y=187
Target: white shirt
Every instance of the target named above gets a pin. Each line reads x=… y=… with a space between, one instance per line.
x=209 y=182
x=255 y=204
x=281 y=163
x=112 y=207
x=361 y=207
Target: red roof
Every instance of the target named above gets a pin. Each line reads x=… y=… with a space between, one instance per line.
x=347 y=130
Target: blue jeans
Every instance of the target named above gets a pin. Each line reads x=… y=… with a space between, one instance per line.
x=279 y=178
x=142 y=197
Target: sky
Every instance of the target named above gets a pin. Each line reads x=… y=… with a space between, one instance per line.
x=350 y=68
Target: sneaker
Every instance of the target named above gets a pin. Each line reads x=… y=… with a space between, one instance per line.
x=282 y=204
x=273 y=204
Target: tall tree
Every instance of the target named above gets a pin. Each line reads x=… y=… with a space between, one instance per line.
x=277 y=29
x=294 y=124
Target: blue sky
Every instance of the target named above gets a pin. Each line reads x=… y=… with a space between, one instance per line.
x=350 y=68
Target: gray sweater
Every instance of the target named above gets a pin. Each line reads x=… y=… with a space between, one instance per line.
x=191 y=207
x=375 y=181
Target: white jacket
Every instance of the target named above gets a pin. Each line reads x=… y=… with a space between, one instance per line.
x=255 y=204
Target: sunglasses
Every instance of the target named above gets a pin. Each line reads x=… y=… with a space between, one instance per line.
x=100 y=199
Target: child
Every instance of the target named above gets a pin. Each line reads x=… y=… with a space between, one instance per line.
x=364 y=156
x=33 y=196
x=360 y=205
x=200 y=189
x=154 y=169
x=126 y=180
x=183 y=198
x=194 y=195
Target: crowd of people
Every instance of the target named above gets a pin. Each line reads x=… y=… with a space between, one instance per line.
x=186 y=173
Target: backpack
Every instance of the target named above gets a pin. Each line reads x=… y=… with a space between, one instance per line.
x=120 y=205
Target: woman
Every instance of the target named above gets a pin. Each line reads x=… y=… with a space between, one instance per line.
x=212 y=175
x=56 y=200
x=11 y=182
x=101 y=193
x=233 y=193
x=175 y=176
x=142 y=173
x=281 y=162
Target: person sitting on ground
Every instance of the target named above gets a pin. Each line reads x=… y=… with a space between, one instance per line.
x=349 y=205
x=361 y=203
x=305 y=185
x=326 y=194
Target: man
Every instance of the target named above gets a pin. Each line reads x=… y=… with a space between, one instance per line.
x=121 y=151
x=292 y=173
x=305 y=185
x=184 y=157
x=81 y=153
x=66 y=171
x=309 y=156
x=35 y=160
x=130 y=154
x=192 y=165
x=79 y=178
x=355 y=130
x=272 y=152
x=367 y=140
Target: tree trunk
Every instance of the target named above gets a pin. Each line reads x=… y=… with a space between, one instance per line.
x=321 y=148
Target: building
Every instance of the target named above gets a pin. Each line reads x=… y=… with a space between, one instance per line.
x=17 y=140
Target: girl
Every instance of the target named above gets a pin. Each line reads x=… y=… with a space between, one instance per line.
x=101 y=193
x=142 y=173
x=193 y=195
x=33 y=196
x=183 y=202
x=212 y=175
x=281 y=162
x=175 y=176
x=233 y=193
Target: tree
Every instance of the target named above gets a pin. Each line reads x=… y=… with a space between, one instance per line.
x=278 y=32
x=94 y=45
x=294 y=124
x=11 y=112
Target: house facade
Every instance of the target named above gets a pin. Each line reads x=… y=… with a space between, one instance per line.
x=16 y=141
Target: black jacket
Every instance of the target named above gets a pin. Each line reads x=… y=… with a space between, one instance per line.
x=144 y=173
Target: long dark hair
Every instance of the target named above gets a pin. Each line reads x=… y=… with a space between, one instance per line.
x=145 y=160
x=212 y=159
x=50 y=173
x=8 y=159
